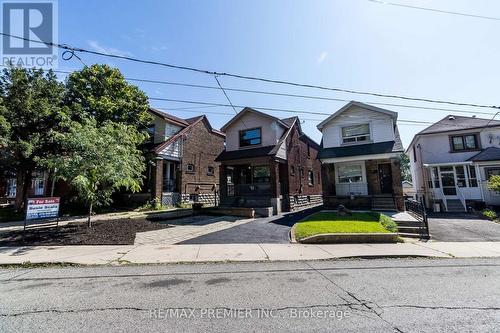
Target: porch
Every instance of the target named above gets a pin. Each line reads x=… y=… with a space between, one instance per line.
x=364 y=184
x=254 y=183
x=454 y=187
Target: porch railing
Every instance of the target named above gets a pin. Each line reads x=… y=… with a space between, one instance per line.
x=169 y=185
x=253 y=189
x=462 y=198
x=417 y=210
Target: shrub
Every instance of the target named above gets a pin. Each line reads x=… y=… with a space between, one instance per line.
x=490 y=214
x=154 y=204
x=388 y=223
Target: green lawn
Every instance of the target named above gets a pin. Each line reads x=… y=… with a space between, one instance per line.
x=326 y=223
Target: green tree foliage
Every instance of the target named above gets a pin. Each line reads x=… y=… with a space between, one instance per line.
x=405 y=168
x=99 y=160
x=101 y=92
x=494 y=183
x=31 y=115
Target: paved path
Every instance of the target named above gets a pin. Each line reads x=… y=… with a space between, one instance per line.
x=385 y=295
x=462 y=228
x=187 y=228
x=157 y=254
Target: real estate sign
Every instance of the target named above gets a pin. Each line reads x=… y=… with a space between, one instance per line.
x=42 y=208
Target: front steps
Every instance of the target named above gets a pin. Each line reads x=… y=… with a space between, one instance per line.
x=383 y=203
x=411 y=229
x=454 y=205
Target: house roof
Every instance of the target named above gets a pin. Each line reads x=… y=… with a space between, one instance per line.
x=245 y=153
x=393 y=114
x=169 y=117
x=189 y=124
x=488 y=154
x=452 y=123
x=457 y=123
x=246 y=110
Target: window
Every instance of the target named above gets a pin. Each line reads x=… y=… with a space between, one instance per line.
x=292 y=170
x=472 y=176
x=261 y=174
x=356 y=133
x=11 y=188
x=308 y=150
x=414 y=154
x=464 y=142
x=350 y=174
x=151 y=132
x=301 y=172
x=210 y=171
x=491 y=172
x=310 y=177
x=190 y=167
x=434 y=177
x=250 y=137
x=460 y=172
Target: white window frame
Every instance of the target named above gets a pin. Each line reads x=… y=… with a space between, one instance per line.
x=363 y=171
x=11 y=188
x=356 y=142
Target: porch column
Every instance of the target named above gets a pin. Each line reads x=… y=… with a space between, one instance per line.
x=222 y=183
x=157 y=180
x=275 y=186
x=397 y=186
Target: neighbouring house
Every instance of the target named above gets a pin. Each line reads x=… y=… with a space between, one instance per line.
x=452 y=160
x=183 y=167
x=40 y=187
x=408 y=190
x=268 y=163
x=360 y=154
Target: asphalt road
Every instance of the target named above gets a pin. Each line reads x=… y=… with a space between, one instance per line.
x=398 y=295
x=463 y=228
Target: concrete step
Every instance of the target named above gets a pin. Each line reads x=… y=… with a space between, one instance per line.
x=411 y=230
x=409 y=223
x=409 y=235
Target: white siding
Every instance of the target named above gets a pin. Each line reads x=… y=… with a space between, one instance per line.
x=173 y=149
x=271 y=131
x=381 y=126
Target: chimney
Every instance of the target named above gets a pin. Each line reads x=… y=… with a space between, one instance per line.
x=451 y=117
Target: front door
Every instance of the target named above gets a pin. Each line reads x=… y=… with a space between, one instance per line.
x=385 y=178
x=448 y=182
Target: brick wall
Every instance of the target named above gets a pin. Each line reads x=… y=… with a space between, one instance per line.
x=298 y=158
x=200 y=148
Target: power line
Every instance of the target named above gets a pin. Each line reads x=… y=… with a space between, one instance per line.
x=245 y=77
x=435 y=10
x=272 y=93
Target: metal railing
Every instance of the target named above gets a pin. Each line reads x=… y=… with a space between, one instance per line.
x=417 y=210
x=462 y=198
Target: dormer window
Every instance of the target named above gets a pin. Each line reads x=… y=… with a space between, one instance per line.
x=250 y=137
x=356 y=133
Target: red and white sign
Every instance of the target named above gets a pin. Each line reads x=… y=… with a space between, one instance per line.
x=42 y=208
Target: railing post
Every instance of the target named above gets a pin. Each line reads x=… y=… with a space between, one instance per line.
x=424 y=217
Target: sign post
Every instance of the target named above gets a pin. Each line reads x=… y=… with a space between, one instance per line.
x=41 y=209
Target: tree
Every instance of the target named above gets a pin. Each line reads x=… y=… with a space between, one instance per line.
x=30 y=116
x=494 y=183
x=101 y=92
x=405 y=168
x=100 y=160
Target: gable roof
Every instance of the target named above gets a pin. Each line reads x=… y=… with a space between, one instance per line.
x=457 y=123
x=246 y=110
x=394 y=115
x=169 y=117
x=190 y=123
x=488 y=154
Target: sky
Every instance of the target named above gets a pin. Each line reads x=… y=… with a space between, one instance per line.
x=351 y=44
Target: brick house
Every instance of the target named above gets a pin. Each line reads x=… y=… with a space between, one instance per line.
x=268 y=163
x=183 y=167
x=360 y=155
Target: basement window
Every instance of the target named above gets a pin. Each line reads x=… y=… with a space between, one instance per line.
x=190 y=167
x=210 y=171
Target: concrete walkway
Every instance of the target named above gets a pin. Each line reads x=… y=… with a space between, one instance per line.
x=156 y=254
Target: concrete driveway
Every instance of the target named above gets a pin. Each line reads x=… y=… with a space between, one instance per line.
x=462 y=228
x=273 y=229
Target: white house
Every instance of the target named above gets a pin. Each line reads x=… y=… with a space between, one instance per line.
x=360 y=155
x=452 y=160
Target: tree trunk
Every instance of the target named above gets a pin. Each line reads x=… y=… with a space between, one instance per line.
x=89 y=222
x=23 y=184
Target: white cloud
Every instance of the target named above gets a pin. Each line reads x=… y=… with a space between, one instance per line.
x=322 y=57
x=110 y=50
x=159 y=48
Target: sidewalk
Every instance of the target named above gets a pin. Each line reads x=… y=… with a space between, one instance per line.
x=156 y=254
